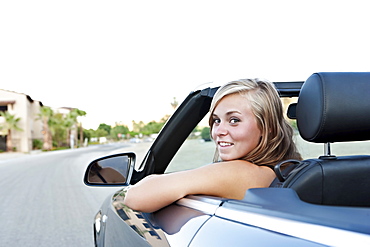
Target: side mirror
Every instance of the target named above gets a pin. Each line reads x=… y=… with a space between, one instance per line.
x=110 y=170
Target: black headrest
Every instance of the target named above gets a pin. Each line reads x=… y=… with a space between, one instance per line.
x=335 y=107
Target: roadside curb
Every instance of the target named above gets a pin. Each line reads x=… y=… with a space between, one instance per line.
x=11 y=155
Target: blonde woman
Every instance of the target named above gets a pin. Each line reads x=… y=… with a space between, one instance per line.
x=251 y=136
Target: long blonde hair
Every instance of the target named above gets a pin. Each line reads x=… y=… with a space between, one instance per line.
x=276 y=143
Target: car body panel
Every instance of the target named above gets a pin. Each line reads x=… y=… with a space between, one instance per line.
x=265 y=216
x=281 y=211
x=174 y=225
x=214 y=233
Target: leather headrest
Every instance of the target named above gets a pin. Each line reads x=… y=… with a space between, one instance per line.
x=335 y=107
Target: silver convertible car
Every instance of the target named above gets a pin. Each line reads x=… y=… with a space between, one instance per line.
x=323 y=200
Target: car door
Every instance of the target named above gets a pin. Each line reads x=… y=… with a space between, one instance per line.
x=174 y=225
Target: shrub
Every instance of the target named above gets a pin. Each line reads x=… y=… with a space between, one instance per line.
x=37 y=144
x=205 y=134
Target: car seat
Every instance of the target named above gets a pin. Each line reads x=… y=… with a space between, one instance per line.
x=332 y=107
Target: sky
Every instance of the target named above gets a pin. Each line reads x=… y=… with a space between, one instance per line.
x=126 y=60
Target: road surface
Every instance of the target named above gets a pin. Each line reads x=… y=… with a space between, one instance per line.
x=44 y=201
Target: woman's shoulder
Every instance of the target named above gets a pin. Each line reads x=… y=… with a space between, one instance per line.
x=238 y=176
x=241 y=166
x=234 y=170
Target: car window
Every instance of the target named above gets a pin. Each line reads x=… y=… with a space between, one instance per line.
x=196 y=151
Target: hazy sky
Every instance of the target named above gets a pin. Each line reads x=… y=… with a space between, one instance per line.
x=126 y=60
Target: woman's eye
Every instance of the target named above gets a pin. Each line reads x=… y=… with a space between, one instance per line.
x=234 y=120
x=216 y=121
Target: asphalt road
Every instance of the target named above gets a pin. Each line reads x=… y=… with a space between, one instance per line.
x=44 y=201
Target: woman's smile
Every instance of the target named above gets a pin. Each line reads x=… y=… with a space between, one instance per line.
x=225 y=144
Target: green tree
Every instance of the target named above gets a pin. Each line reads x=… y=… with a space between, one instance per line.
x=105 y=127
x=88 y=133
x=11 y=123
x=71 y=120
x=59 y=130
x=119 y=130
x=151 y=128
x=100 y=133
x=46 y=116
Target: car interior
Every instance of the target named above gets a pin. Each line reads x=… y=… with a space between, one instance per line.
x=332 y=107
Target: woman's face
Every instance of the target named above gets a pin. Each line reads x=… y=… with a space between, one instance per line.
x=234 y=129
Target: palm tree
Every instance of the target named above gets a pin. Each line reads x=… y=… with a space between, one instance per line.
x=71 y=120
x=10 y=124
x=46 y=114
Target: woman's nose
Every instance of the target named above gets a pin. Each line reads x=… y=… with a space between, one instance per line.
x=221 y=130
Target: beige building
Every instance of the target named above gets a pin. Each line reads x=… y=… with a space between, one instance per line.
x=27 y=109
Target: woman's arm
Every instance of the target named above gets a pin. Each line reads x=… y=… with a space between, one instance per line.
x=225 y=179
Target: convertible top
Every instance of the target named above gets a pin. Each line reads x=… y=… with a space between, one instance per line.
x=289 y=89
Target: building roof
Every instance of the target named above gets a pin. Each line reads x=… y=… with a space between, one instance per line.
x=3 y=102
